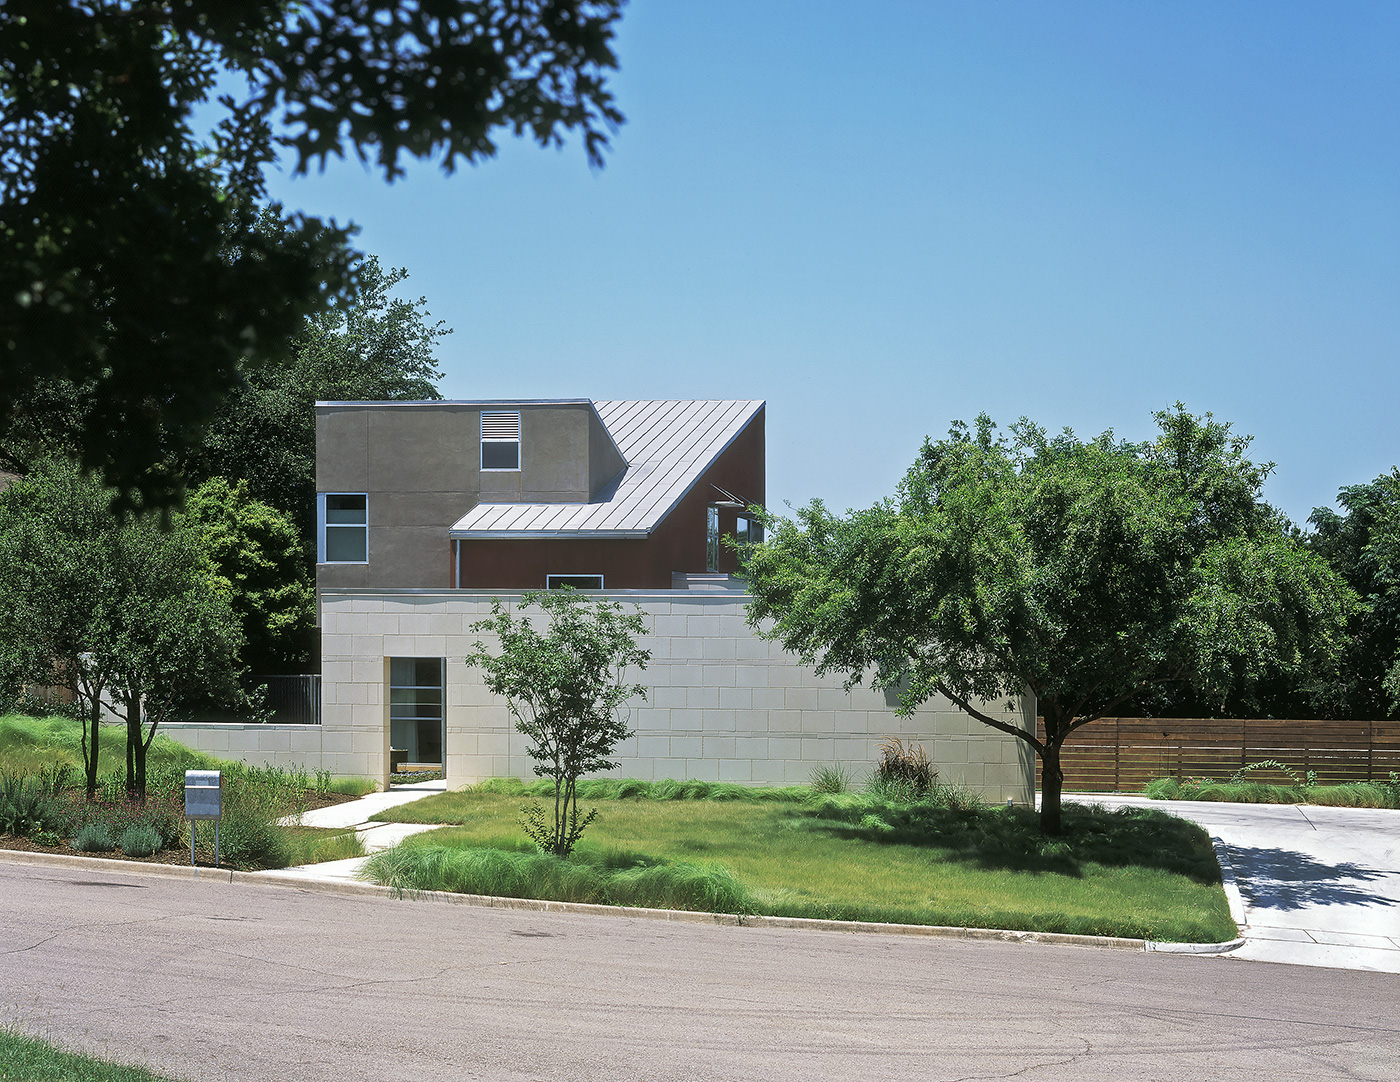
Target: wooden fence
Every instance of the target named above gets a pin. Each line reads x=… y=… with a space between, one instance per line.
x=1124 y=754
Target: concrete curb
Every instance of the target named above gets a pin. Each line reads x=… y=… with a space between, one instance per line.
x=281 y=878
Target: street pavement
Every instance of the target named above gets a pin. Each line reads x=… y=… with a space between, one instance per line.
x=1321 y=886
x=219 y=980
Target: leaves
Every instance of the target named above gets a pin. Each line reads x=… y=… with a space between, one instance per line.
x=1097 y=574
x=129 y=191
x=565 y=685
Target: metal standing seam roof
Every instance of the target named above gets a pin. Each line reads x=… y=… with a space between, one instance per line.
x=667 y=446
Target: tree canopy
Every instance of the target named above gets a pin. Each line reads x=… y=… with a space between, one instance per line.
x=1093 y=574
x=126 y=615
x=370 y=345
x=1363 y=544
x=134 y=137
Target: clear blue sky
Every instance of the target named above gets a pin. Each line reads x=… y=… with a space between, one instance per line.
x=883 y=216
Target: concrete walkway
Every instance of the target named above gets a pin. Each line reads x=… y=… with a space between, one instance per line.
x=376 y=836
x=1321 y=886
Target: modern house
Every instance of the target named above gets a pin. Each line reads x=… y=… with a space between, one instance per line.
x=427 y=511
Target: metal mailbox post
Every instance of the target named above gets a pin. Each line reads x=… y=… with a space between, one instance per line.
x=204 y=800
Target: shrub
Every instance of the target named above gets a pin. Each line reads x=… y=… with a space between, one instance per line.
x=905 y=769
x=140 y=840
x=831 y=779
x=94 y=838
x=30 y=805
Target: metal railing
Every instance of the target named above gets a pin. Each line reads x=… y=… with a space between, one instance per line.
x=293 y=700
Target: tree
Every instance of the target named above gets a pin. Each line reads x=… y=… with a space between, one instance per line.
x=125 y=615
x=263 y=570
x=369 y=346
x=564 y=688
x=134 y=268
x=1090 y=574
x=1363 y=546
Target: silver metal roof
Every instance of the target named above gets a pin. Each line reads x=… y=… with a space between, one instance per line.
x=667 y=446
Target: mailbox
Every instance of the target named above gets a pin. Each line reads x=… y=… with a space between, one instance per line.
x=203 y=800
x=203 y=794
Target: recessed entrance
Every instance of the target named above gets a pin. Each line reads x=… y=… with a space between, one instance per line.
x=417 y=714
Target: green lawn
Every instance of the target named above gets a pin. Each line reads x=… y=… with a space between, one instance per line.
x=28 y=745
x=27 y=1059
x=1138 y=873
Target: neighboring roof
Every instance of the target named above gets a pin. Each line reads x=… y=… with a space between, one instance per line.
x=667 y=446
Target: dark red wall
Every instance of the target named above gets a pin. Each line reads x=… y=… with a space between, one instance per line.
x=677 y=544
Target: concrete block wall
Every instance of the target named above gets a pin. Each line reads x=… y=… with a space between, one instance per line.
x=724 y=704
x=277 y=745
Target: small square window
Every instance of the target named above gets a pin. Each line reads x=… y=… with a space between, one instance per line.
x=344 y=528
x=500 y=441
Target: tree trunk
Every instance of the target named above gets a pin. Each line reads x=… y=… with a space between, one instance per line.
x=135 y=751
x=91 y=738
x=1052 y=780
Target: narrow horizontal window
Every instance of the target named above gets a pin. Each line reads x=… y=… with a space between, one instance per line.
x=576 y=582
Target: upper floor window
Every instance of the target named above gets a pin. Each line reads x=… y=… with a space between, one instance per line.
x=712 y=539
x=500 y=440
x=748 y=530
x=344 y=521
x=577 y=582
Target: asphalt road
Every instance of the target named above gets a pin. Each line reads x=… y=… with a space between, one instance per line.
x=209 y=980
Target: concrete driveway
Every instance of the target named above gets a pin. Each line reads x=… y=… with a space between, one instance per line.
x=1321 y=886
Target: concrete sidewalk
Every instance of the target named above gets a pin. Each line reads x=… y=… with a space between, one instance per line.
x=376 y=836
x=1321 y=886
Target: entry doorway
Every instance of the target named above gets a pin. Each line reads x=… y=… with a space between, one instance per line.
x=417 y=714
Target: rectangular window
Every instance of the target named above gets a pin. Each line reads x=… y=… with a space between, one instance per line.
x=578 y=582
x=416 y=708
x=712 y=539
x=500 y=441
x=748 y=531
x=344 y=528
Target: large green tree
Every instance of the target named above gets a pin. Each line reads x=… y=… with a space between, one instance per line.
x=372 y=345
x=1363 y=544
x=134 y=138
x=128 y=616
x=1091 y=574
x=262 y=568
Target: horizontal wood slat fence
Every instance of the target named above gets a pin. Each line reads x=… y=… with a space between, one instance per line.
x=1124 y=754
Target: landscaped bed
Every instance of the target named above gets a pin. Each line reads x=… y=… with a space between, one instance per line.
x=851 y=856
x=43 y=805
x=1272 y=782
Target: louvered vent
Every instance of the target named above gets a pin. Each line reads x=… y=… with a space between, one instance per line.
x=500 y=426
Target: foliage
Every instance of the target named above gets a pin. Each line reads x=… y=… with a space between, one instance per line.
x=830 y=779
x=137 y=279
x=564 y=688
x=122 y=614
x=501 y=874
x=95 y=837
x=1363 y=545
x=1091 y=574
x=908 y=768
x=366 y=346
x=1356 y=794
x=140 y=840
x=263 y=570
x=32 y=745
x=30 y=805
x=314 y=845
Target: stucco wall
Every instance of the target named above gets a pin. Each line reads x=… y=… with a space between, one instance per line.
x=725 y=705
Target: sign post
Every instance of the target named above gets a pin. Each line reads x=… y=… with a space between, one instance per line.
x=203 y=800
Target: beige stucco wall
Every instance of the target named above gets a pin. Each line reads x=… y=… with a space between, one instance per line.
x=724 y=704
